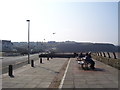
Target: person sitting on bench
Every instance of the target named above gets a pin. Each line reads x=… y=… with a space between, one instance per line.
x=80 y=56
x=81 y=60
x=89 y=60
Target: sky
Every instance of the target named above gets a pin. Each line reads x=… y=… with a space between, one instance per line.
x=71 y=20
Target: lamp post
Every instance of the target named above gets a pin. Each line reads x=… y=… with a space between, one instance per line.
x=28 y=41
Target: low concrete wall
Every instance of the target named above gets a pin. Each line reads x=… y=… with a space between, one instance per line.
x=58 y=55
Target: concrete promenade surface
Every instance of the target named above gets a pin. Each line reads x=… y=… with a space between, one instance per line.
x=42 y=75
x=103 y=76
x=39 y=76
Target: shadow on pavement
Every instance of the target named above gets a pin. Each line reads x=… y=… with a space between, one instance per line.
x=96 y=69
x=99 y=69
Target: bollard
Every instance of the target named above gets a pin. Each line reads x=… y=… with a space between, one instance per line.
x=32 y=63
x=104 y=54
x=10 y=73
x=47 y=58
x=108 y=55
x=114 y=55
x=40 y=60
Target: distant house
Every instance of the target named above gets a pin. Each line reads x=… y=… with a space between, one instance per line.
x=7 y=45
x=51 y=42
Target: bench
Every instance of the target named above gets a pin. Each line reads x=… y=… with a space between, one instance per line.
x=83 y=63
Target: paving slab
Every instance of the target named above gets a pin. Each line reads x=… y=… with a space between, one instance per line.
x=39 y=76
x=103 y=76
x=42 y=75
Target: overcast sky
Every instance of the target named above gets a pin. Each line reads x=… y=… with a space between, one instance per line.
x=69 y=20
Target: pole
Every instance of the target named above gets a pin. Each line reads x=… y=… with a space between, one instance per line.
x=114 y=55
x=108 y=55
x=104 y=54
x=28 y=41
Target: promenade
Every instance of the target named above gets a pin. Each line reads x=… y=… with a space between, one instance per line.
x=46 y=75
x=39 y=76
x=103 y=76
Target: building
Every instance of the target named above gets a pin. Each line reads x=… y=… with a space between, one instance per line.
x=7 y=45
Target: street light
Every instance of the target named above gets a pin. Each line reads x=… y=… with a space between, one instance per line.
x=28 y=41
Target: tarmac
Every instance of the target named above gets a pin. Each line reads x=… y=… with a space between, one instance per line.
x=42 y=75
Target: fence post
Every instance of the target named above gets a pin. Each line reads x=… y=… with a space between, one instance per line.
x=114 y=55
x=104 y=54
x=10 y=73
x=108 y=54
x=40 y=60
x=32 y=63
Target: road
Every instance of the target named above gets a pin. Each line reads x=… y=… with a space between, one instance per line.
x=6 y=61
x=13 y=60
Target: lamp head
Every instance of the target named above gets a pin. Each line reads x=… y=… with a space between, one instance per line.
x=28 y=20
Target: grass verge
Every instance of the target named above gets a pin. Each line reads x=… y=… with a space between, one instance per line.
x=109 y=61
